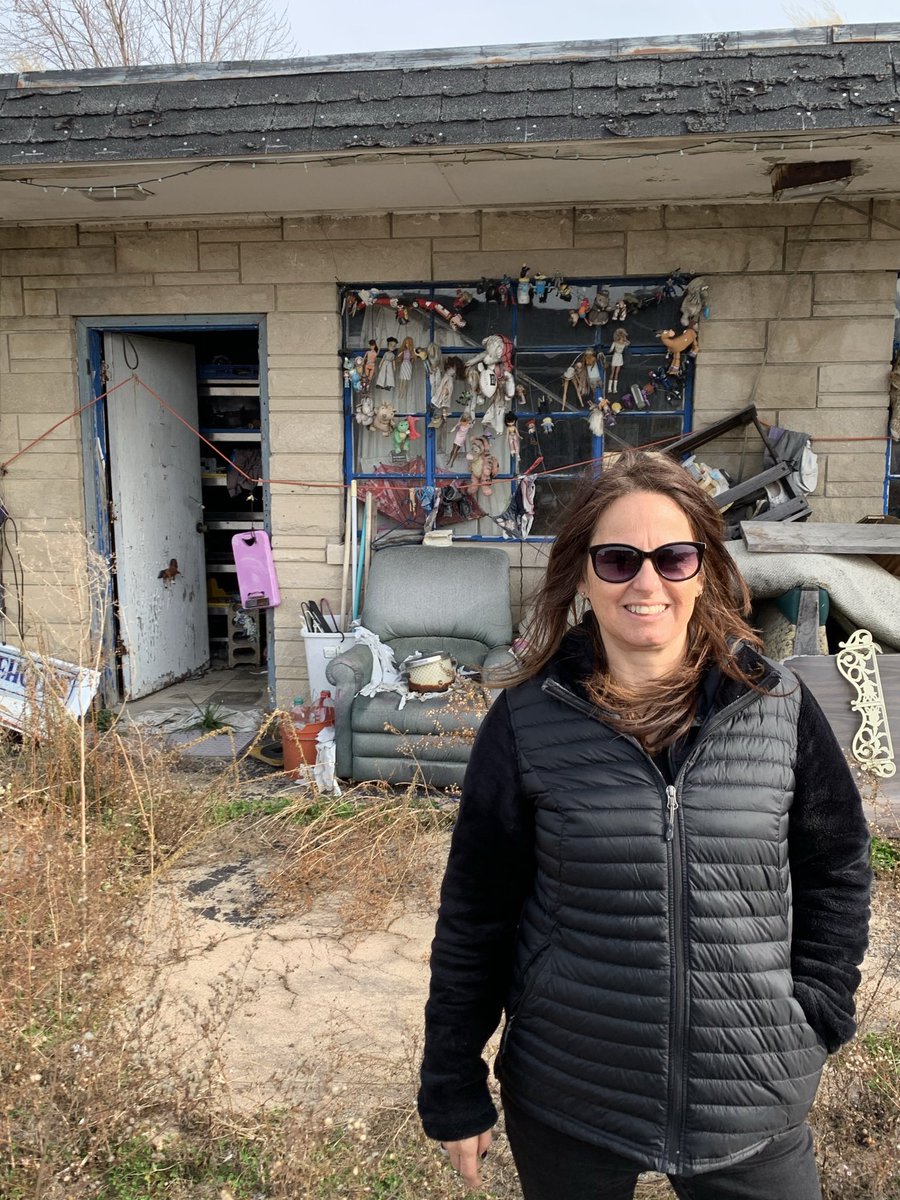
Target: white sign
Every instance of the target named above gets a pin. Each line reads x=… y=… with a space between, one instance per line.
x=29 y=682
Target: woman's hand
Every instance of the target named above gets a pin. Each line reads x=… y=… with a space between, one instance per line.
x=466 y=1156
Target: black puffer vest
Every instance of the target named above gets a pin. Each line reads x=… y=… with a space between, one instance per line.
x=652 y=1009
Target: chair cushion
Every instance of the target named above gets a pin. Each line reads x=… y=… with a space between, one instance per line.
x=433 y=716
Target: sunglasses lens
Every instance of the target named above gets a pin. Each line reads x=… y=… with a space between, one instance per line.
x=616 y=564
x=678 y=561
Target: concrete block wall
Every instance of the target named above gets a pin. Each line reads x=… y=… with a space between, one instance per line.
x=802 y=299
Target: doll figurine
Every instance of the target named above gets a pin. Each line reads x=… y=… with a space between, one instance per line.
x=494 y=415
x=352 y=375
x=441 y=396
x=620 y=343
x=384 y=418
x=562 y=289
x=601 y=310
x=577 y=376
x=581 y=312
x=460 y=435
x=546 y=419
x=406 y=358
x=620 y=310
x=541 y=288
x=513 y=441
x=483 y=466
x=523 y=287
x=385 y=378
x=370 y=362
x=592 y=371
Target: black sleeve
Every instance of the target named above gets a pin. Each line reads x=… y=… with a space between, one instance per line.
x=831 y=879
x=489 y=874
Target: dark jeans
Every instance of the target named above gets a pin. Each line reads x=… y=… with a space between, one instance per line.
x=553 y=1166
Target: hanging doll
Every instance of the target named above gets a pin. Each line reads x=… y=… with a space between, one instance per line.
x=492 y=368
x=513 y=441
x=601 y=310
x=581 y=312
x=620 y=343
x=364 y=412
x=385 y=378
x=505 y=291
x=370 y=362
x=541 y=288
x=384 y=418
x=483 y=467
x=517 y=518
x=546 y=419
x=523 y=287
x=495 y=415
x=595 y=418
x=562 y=289
x=352 y=375
x=695 y=302
x=441 y=396
x=460 y=435
x=620 y=310
x=593 y=374
x=406 y=358
x=576 y=375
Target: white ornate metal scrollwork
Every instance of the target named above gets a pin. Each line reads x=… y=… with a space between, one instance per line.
x=872 y=747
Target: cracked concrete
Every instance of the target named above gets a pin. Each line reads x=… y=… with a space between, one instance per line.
x=293 y=1008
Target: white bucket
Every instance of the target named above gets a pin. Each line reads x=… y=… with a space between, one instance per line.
x=320 y=647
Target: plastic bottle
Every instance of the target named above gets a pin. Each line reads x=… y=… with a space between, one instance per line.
x=327 y=708
x=299 y=712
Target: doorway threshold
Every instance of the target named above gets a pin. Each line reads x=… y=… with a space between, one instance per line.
x=185 y=714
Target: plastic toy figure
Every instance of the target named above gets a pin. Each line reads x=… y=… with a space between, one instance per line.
x=686 y=342
x=460 y=435
x=371 y=362
x=385 y=378
x=620 y=343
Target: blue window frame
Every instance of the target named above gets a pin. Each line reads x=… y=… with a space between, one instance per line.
x=546 y=344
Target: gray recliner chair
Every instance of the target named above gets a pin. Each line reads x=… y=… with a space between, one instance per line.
x=455 y=600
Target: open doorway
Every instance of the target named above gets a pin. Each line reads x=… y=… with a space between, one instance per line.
x=164 y=503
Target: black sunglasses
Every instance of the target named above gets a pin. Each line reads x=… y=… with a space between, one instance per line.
x=676 y=561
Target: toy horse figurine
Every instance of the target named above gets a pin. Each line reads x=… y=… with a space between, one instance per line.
x=677 y=344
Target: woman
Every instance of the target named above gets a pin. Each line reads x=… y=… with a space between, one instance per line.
x=660 y=871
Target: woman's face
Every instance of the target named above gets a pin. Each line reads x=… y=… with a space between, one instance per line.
x=644 y=621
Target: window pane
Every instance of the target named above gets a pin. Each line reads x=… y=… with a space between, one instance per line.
x=634 y=429
x=895 y=458
x=894 y=498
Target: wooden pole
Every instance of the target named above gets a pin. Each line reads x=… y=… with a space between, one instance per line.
x=370 y=534
x=342 y=611
x=354 y=551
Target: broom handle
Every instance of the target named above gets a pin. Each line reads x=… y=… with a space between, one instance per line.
x=370 y=533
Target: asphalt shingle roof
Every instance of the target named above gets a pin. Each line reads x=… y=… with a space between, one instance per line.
x=848 y=78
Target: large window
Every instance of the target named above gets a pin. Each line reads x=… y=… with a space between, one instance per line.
x=419 y=415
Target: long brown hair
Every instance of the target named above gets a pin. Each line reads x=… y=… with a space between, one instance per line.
x=659 y=712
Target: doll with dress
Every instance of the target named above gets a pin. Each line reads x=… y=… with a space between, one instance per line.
x=405 y=358
x=385 y=379
x=460 y=435
x=620 y=343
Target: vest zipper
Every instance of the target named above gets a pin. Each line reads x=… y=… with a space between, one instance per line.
x=676 y=863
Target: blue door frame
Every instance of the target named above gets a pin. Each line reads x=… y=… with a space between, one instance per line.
x=89 y=333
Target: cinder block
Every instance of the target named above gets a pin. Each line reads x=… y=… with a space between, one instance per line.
x=40 y=346
x=39 y=393
x=337 y=227
x=12 y=303
x=29 y=497
x=850 y=401
x=311 y=433
x=828 y=339
x=40 y=302
x=585 y=261
x=856 y=465
x=312 y=577
x=186 y=279
x=834 y=423
x=732 y=335
x=170 y=250
x=295 y=262
x=856 y=287
x=845 y=256
x=38 y=464
x=730 y=387
x=539 y=229
x=302 y=467
x=601 y=220
x=259 y=231
x=748 y=216
x=742 y=297
x=200 y=299
x=307 y=297
x=116 y=279
x=860 y=377
x=219 y=256
x=83 y=260
x=303 y=333
x=655 y=252
x=31 y=237
x=872 y=490
x=842 y=510
x=436 y=224
x=303 y=383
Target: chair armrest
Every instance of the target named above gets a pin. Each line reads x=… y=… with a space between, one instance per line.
x=351 y=670
x=497 y=661
x=349 y=673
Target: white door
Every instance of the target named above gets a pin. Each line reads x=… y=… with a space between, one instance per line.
x=157 y=507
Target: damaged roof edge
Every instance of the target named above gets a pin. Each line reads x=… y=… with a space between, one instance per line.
x=465 y=56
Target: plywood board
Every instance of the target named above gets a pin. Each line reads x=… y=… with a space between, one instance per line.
x=820 y=538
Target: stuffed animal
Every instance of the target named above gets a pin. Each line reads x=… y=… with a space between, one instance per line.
x=695 y=302
x=492 y=368
x=687 y=342
x=400 y=435
x=365 y=410
x=384 y=418
x=483 y=467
